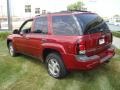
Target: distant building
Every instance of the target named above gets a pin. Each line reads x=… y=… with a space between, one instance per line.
x=115 y=20
x=43 y=11
x=22 y=9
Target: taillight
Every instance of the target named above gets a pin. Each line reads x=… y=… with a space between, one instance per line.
x=81 y=47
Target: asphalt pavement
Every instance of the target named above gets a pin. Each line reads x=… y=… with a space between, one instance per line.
x=116 y=42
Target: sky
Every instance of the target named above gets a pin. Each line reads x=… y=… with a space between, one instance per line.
x=105 y=8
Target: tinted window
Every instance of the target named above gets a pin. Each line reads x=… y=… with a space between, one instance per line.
x=26 y=27
x=65 y=25
x=91 y=23
x=41 y=25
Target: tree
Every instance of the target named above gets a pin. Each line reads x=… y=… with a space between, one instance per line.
x=76 y=6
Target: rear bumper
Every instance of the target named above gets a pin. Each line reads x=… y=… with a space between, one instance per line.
x=82 y=62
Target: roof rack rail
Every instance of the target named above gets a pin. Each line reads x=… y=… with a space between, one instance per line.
x=60 y=12
x=38 y=15
x=70 y=11
x=67 y=11
x=78 y=10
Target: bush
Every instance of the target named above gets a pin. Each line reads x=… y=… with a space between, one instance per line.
x=3 y=35
x=117 y=34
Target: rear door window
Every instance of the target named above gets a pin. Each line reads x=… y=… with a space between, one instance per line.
x=91 y=23
x=64 y=25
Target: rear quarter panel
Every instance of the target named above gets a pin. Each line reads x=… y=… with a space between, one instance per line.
x=64 y=44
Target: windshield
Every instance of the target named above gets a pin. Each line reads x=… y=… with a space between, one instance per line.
x=91 y=23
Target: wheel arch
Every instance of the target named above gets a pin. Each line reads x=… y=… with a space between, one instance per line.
x=8 y=41
x=47 y=51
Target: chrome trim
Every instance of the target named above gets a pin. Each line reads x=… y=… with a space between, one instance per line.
x=85 y=58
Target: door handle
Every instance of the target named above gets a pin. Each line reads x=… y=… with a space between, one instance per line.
x=44 y=40
x=27 y=38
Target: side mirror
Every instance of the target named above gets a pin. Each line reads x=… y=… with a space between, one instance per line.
x=16 y=31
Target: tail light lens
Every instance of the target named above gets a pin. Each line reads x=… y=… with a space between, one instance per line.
x=81 y=47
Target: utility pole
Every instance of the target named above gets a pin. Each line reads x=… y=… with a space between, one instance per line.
x=9 y=14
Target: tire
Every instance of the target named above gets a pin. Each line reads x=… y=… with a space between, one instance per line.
x=11 y=50
x=55 y=66
x=107 y=61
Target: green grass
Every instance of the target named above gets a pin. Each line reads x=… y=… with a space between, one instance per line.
x=117 y=34
x=25 y=73
x=3 y=35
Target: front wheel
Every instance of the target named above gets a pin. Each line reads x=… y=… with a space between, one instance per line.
x=11 y=49
x=55 y=66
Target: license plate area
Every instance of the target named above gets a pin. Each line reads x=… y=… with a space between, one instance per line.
x=101 y=41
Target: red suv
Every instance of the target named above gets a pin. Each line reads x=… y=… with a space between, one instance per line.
x=65 y=41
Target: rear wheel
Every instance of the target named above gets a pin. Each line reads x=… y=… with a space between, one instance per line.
x=55 y=66
x=11 y=49
x=107 y=61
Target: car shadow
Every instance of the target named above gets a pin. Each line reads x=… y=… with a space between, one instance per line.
x=80 y=76
x=90 y=75
x=32 y=59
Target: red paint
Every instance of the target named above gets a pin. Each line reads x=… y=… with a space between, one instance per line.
x=66 y=46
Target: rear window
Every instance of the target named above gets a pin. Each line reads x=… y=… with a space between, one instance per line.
x=91 y=23
x=65 y=25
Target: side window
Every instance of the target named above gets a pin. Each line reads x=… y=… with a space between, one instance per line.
x=41 y=25
x=26 y=28
x=64 y=25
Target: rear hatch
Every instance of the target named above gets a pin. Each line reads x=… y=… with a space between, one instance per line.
x=96 y=34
